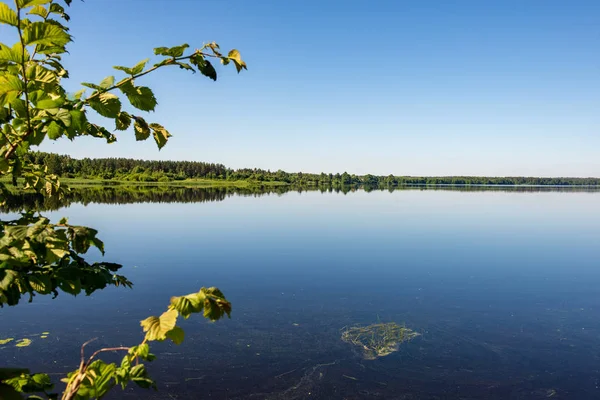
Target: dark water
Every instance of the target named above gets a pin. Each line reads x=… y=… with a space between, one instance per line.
x=503 y=285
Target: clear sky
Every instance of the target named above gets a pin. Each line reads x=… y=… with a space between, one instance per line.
x=422 y=87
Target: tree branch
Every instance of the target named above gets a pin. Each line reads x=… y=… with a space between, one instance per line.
x=170 y=61
x=13 y=146
x=82 y=363
x=75 y=382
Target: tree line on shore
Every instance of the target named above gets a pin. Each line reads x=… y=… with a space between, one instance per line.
x=126 y=169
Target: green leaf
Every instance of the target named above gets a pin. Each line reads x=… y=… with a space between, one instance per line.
x=39 y=10
x=166 y=61
x=54 y=130
x=141 y=128
x=140 y=97
x=215 y=304
x=6 y=115
x=46 y=103
x=161 y=135
x=156 y=328
x=57 y=24
x=41 y=283
x=124 y=69
x=56 y=8
x=92 y=86
x=106 y=104
x=235 y=56
x=14 y=54
x=139 y=67
x=37 y=137
x=81 y=238
x=6 y=98
x=78 y=120
x=189 y=304
x=138 y=371
x=11 y=83
x=29 y=3
x=139 y=376
x=107 y=82
x=7 y=15
x=72 y=287
x=183 y=65
x=122 y=121
x=211 y=301
x=142 y=351
x=64 y=116
x=205 y=67
x=56 y=254
x=45 y=34
x=42 y=382
x=100 y=132
x=10 y=88
x=7 y=278
x=40 y=74
x=43 y=49
x=99 y=380
x=19 y=107
x=176 y=335
x=78 y=94
x=176 y=51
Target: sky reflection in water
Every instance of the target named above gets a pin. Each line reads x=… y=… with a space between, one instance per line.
x=503 y=287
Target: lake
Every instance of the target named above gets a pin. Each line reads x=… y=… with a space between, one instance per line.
x=503 y=286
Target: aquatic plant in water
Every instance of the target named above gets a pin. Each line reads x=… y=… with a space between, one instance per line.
x=23 y=342
x=377 y=340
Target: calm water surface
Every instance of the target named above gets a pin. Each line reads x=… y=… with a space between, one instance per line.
x=504 y=288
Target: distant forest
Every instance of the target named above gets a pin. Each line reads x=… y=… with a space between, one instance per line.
x=126 y=169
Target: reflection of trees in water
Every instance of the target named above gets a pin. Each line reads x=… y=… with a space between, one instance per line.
x=127 y=195
x=117 y=194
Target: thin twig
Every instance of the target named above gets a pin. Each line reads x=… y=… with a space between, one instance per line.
x=76 y=380
x=171 y=61
x=83 y=351
x=122 y=348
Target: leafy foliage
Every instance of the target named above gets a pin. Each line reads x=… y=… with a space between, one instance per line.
x=37 y=256
x=34 y=105
x=210 y=300
x=95 y=378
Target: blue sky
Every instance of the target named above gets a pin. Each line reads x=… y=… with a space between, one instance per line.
x=497 y=87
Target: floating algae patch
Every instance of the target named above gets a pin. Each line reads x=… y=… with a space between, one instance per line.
x=23 y=342
x=377 y=340
x=4 y=341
